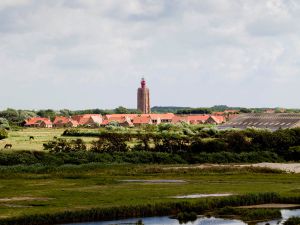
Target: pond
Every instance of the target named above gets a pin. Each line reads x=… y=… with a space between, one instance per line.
x=200 y=221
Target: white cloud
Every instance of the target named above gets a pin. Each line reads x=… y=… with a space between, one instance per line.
x=13 y=3
x=98 y=50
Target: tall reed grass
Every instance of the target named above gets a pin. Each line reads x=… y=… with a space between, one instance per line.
x=158 y=209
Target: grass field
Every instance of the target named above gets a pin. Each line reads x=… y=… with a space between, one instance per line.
x=20 y=139
x=88 y=186
x=32 y=190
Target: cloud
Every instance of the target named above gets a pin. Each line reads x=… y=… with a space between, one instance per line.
x=90 y=53
x=13 y=3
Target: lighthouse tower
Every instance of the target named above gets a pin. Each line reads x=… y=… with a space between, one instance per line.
x=143 y=98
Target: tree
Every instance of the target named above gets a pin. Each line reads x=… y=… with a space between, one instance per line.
x=4 y=124
x=3 y=134
x=121 y=110
x=47 y=113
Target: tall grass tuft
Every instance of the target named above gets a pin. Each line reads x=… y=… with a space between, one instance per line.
x=158 y=209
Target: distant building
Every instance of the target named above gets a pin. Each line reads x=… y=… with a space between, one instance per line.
x=61 y=121
x=88 y=120
x=143 y=98
x=142 y=120
x=38 y=122
x=199 y=119
x=272 y=121
x=121 y=119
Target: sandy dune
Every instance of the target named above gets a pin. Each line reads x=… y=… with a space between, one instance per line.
x=288 y=167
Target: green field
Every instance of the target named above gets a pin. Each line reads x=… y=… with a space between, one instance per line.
x=20 y=138
x=34 y=190
x=42 y=189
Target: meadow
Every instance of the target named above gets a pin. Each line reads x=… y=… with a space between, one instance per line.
x=45 y=192
x=35 y=190
x=20 y=138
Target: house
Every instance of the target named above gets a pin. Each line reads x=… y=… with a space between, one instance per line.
x=139 y=118
x=88 y=120
x=166 y=117
x=61 y=121
x=38 y=122
x=143 y=119
x=131 y=116
x=180 y=119
x=215 y=120
x=121 y=120
x=155 y=118
x=197 y=119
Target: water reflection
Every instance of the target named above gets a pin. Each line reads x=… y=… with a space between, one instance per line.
x=285 y=214
x=200 y=221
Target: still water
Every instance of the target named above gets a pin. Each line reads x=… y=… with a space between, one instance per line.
x=200 y=221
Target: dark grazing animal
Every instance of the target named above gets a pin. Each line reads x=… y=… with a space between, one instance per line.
x=31 y=138
x=8 y=146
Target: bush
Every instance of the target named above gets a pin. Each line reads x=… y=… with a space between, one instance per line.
x=3 y=134
x=62 y=145
x=250 y=214
x=4 y=124
x=292 y=221
x=184 y=217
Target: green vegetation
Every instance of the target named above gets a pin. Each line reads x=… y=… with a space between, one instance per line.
x=3 y=134
x=4 y=124
x=85 y=174
x=292 y=221
x=19 y=138
x=193 y=143
x=35 y=194
x=184 y=217
x=250 y=214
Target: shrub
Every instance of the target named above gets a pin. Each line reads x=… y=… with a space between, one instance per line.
x=4 y=124
x=62 y=145
x=3 y=134
x=292 y=221
x=184 y=217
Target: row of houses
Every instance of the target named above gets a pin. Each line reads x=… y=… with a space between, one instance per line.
x=127 y=120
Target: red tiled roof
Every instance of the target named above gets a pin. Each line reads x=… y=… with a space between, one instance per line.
x=37 y=120
x=178 y=119
x=142 y=119
x=61 y=120
x=198 y=118
x=165 y=116
x=131 y=116
x=64 y=120
x=218 y=119
x=120 y=120
x=87 y=118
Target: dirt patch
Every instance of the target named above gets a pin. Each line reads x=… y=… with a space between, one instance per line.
x=15 y=206
x=88 y=188
x=15 y=199
x=287 y=167
x=268 y=206
x=154 y=181
x=202 y=195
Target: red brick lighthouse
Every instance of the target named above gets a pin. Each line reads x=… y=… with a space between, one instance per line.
x=143 y=98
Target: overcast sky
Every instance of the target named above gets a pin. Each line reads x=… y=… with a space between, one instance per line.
x=92 y=53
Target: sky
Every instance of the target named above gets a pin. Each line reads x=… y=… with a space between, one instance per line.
x=81 y=54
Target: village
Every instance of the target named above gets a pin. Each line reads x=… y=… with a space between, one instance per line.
x=126 y=120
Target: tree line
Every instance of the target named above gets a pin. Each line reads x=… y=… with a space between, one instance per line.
x=285 y=143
